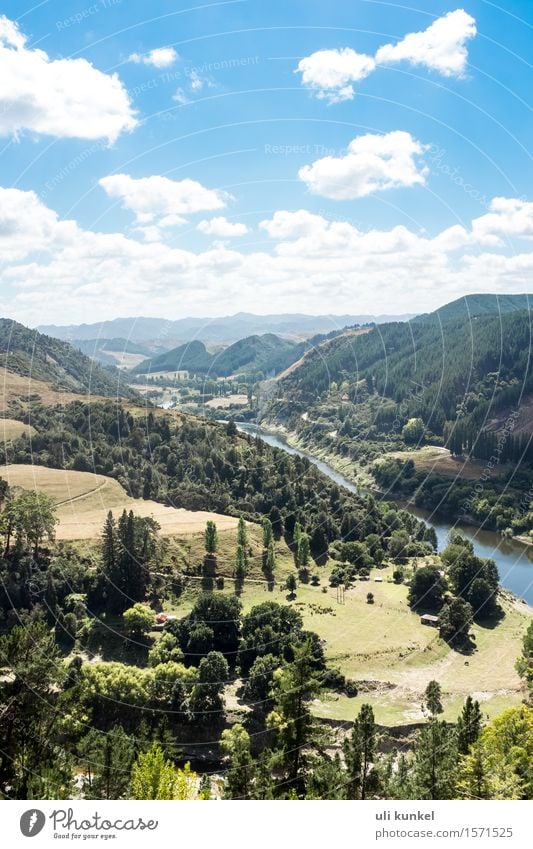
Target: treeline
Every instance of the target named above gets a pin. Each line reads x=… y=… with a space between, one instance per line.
x=195 y=465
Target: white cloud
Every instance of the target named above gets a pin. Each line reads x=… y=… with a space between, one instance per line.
x=160 y=57
x=292 y=225
x=511 y=217
x=330 y=73
x=222 y=227
x=372 y=163
x=68 y=98
x=150 y=198
x=441 y=47
x=311 y=263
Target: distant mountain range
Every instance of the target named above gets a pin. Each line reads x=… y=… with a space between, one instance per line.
x=166 y=334
x=266 y=354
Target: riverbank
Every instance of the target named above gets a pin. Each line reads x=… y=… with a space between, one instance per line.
x=513 y=558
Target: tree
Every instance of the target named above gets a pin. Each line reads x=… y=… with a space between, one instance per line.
x=291 y=583
x=413 y=431
x=500 y=763
x=108 y=759
x=240 y=567
x=267 y=532
x=242 y=543
x=271 y=558
x=304 y=551
x=138 y=620
x=432 y=703
x=211 y=538
x=31 y=517
x=259 y=684
x=155 y=777
x=165 y=650
x=33 y=708
x=435 y=752
x=360 y=753
x=206 y=698
x=427 y=589
x=524 y=663
x=455 y=621
x=239 y=775
x=469 y=726
x=294 y=685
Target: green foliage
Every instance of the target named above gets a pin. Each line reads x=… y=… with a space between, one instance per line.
x=360 y=751
x=455 y=621
x=240 y=772
x=427 y=589
x=500 y=763
x=155 y=777
x=138 y=620
x=211 y=538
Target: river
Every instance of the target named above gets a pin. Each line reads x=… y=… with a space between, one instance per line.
x=513 y=558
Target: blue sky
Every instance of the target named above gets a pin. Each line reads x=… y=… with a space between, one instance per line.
x=177 y=158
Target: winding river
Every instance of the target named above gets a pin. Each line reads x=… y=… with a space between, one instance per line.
x=513 y=558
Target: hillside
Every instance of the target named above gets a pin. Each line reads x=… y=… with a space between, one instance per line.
x=29 y=354
x=113 y=352
x=435 y=374
x=253 y=354
x=472 y=306
x=224 y=330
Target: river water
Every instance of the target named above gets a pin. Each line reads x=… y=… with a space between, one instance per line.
x=513 y=558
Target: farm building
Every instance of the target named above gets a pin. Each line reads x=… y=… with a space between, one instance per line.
x=429 y=619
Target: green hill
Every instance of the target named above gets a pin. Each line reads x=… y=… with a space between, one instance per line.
x=472 y=306
x=267 y=353
x=30 y=353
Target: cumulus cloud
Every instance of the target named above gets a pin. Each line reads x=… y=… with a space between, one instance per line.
x=330 y=73
x=510 y=217
x=310 y=260
x=150 y=198
x=372 y=163
x=291 y=225
x=67 y=98
x=222 y=227
x=441 y=47
x=160 y=57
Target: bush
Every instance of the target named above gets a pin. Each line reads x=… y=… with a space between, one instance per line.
x=370 y=598
x=350 y=688
x=138 y=619
x=398 y=576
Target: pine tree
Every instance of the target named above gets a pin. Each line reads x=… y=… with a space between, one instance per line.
x=359 y=754
x=468 y=726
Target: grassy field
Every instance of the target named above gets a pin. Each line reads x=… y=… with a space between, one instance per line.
x=11 y=429
x=385 y=648
x=27 y=390
x=84 y=499
x=431 y=458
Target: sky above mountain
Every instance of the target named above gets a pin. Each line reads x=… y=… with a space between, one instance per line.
x=201 y=159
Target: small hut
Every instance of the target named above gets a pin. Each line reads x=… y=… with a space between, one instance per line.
x=429 y=619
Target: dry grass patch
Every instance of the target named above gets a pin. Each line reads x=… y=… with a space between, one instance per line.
x=84 y=499
x=11 y=429
x=431 y=458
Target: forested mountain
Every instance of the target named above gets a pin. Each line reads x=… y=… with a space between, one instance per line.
x=435 y=373
x=254 y=354
x=225 y=330
x=471 y=306
x=30 y=353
